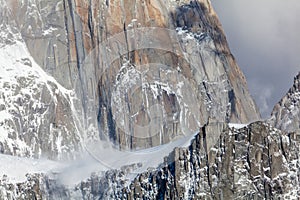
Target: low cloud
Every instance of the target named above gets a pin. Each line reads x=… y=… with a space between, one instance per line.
x=264 y=38
x=263 y=94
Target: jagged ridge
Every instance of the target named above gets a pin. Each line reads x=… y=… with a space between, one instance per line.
x=256 y=161
x=286 y=113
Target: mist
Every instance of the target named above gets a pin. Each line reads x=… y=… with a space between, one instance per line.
x=264 y=38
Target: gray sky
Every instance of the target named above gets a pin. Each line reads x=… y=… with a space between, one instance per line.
x=264 y=37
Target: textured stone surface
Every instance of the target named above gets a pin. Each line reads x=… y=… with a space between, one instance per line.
x=64 y=36
x=254 y=162
x=286 y=113
x=41 y=118
x=36 y=114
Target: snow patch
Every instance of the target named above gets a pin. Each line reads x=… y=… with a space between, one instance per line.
x=237 y=126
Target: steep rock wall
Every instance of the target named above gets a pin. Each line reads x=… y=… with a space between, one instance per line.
x=65 y=38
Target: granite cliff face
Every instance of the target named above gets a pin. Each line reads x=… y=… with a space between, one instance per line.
x=120 y=99
x=286 y=113
x=139 y=74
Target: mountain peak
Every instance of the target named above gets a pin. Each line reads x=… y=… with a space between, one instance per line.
x=286 y=113
x=296 y=86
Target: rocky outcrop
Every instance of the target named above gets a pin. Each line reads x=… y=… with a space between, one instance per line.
x=286 y=113
x=253 y=162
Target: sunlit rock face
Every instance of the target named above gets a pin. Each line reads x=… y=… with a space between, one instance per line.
x=138 y=74
x=147 y=95
x=286 y=113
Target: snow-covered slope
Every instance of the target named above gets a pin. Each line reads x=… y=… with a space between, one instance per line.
x=36 y=112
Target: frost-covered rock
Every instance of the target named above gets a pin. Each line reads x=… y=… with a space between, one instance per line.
x=36 y=116
x=286 y=113
x=254 y=162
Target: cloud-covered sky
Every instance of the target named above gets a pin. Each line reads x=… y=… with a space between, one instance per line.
x=264 y=37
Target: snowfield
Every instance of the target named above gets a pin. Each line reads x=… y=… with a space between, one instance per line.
x=237 y=126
